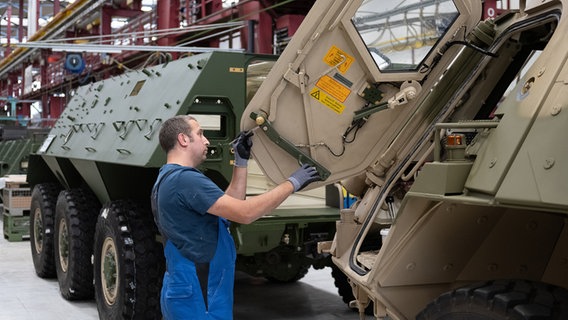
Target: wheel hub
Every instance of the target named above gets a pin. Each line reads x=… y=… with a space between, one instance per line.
x=38 y=231
x=63 y=241
x=109 y=271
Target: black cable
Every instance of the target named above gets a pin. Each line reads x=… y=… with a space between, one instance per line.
x=471 y=46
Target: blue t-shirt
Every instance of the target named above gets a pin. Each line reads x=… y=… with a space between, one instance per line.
x=183 y=199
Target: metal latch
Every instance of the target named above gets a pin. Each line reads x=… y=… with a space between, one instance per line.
x=408 y=91
x=262 y=121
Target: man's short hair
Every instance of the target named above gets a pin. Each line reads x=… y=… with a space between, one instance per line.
x=171 y=128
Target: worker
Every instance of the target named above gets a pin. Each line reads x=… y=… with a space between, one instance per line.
x=193 y=214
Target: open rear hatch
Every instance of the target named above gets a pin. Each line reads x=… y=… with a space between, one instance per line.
x=346 y=93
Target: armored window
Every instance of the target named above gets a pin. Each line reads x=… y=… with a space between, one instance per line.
x=400 y=34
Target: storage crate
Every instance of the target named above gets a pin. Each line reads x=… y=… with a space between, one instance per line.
x=15 y=184
x=17 y=211
x=16 y=228
x=17 y=198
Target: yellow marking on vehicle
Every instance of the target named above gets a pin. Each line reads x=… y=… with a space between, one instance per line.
x=334 y=88
x=338 y=58
x=327 y=100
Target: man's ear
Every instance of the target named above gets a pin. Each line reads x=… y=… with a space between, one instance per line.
x=183 y=140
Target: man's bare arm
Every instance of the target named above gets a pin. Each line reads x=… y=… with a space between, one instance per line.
x=238 y=186
x=247 y=211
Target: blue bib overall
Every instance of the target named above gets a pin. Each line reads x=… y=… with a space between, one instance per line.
x=182 y=297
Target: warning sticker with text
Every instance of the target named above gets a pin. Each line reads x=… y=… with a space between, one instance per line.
x=327 y=100
x=334 y=88
x=338 y=58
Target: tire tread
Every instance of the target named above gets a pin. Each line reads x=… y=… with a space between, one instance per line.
x=44 y=197
x=500 y=299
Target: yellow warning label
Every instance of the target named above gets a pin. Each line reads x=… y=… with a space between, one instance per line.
x=236 y=69
x=336 y=57
x=334 y=88
x=327 y=100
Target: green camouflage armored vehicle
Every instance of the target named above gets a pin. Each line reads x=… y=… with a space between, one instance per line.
x=16 y=143
x=92 y=177
x=446 y=118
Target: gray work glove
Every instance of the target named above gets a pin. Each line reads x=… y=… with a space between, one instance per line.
x=305 y=175
x=242 y=145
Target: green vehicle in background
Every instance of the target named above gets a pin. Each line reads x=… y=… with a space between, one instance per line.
x=90 y=220
x=16 y=143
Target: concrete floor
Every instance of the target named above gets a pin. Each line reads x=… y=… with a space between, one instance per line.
x=24 y=296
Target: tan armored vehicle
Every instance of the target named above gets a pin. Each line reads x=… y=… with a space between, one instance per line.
x=446 y=119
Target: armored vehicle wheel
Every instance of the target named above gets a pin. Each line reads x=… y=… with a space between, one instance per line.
x=294 y=275
x=344 y=289
x=506 y=299
x=42 y=212
x=75 y=218
x=128 y=263
x=284 y=265
x=342 y=285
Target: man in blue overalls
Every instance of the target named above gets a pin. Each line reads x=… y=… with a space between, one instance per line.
x=192 y=214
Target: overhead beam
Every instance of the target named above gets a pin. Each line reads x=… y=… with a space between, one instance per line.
x=104 y=48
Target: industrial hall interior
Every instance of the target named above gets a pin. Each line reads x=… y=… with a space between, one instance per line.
x=283 y=159
x=54 y=52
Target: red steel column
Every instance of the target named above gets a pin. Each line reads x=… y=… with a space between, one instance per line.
x=264 y=33
x=21 y=22
x=8 y=28
x=56 y=7
x=290 y=21
x=106 y=19
x=168 y=17
x=262 y=42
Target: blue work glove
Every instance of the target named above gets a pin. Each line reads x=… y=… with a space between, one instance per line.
x=242 y=145
x=305 y=175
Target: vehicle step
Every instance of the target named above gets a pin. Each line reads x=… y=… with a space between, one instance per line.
x=367 y=258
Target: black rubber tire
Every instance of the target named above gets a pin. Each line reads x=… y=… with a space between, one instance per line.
x=500 y=299
x=289 y=278
x=75 y=218
x=342 y=284
x=284 y=265
x=344 y=289
x=129 y=263
x=42 y=214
